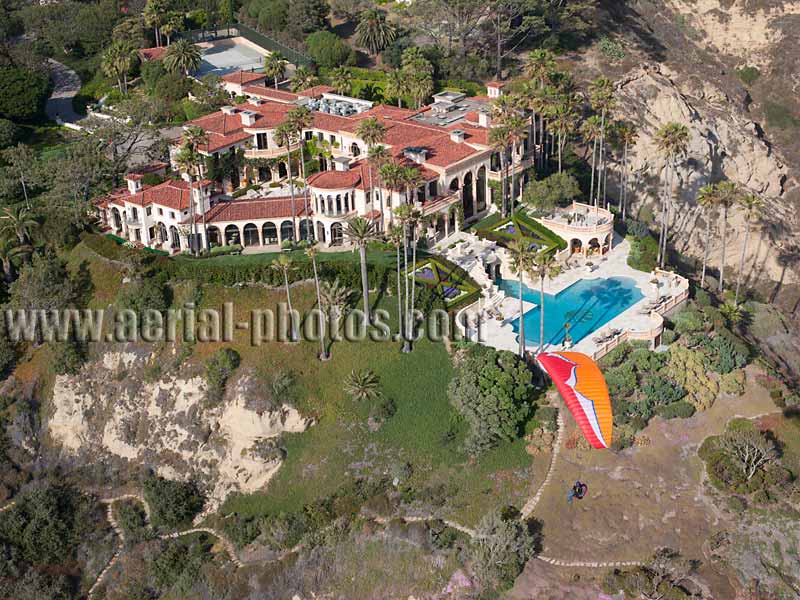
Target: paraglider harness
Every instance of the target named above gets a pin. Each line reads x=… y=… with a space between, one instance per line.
x=578 y=491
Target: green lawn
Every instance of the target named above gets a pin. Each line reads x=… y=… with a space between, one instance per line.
x=381 y=257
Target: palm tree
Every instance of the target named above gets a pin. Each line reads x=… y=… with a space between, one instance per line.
x=391 y=175
x=752 y=205
x=396 y=86
x=18 y=221
x=298 y=120
x=627 y=136
x=412 y=179
x=182 y=57
x=195 y=137
x=362 y=385
x=342 y=79
x=373 y=32
x=117 y=62
x=285 y=137
x=360 y=232
x=520 y=262
x=186 y=159
x=378 y=156
x=707 y=199
x=590 y=130
x=302 y=79
x=517 y=131
x=153 y=14
x=372 y=132
x=284 y=264
x=563 y=117
x=672 y=140
x=601 y=93
x=10 y=249
x=335 y=298
x=499 y=138
x=538 y=66
x=172 y=24
x=544 y=265
x=727 y=196
x=275 y=66
x=397 y=238
x=311 y=253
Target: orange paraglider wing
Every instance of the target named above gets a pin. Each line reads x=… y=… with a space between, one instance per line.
x=583 y=387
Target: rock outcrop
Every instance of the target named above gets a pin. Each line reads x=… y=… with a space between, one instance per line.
x=723 y=144
x=107 y=410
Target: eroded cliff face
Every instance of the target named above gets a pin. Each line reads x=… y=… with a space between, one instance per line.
x=109 y=409
x=724 y=143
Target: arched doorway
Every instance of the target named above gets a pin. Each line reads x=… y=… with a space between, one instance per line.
x=466 y=196
x=320 y=232
x=306 y=230
x=287 y=231
x=264 y=174
x=270 y=233
x=214 y=236
x=232 y=235
x=607 y=242
x=575 y=246
x=117 y=219
x=163 y=236
x=480 y=189
x=337 y=234
x=593 y=247
x=281 y=170
x=174 y=238
x=355 y=150
x=454 y=185
x=251 y=235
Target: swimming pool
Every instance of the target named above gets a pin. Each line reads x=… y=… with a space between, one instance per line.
x=587 y=305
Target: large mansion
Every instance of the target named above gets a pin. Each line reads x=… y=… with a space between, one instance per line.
x=447 y=142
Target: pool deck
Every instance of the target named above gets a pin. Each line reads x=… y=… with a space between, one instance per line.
x=637 y=322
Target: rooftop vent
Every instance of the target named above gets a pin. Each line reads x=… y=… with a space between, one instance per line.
x=248 y=117
x=457 y=135
x=229 y=110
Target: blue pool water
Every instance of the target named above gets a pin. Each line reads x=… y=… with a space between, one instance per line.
x=587 y=304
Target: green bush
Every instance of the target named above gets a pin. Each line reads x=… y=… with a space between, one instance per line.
x=223 y=250
x=689 y=320
x=68 y=357
x=702 y=298
x=644 y=254
x=132 y=519
x=9 y=133
x=615 y=357
x=621 y=380
x=611 y=48
x=668 y=336
x=547 y=417
x=173 y=504
x=748 y=75
x=680 y=409
x=725 y=354
x=147 y=293
x=218 y=369
x=328 y=50
x=23 y=94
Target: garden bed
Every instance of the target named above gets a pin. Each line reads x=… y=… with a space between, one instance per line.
x=452 y=283
x=519 y=227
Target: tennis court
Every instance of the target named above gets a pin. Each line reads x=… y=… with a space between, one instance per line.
x=232 y=54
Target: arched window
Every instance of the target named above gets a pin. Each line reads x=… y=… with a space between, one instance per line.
x=287 y=231
x=251 y=235
x=213 y=236
x=270 y=233
x=232 y=235
x=355 y=150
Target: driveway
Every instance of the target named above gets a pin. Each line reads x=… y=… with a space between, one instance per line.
x=66 y=85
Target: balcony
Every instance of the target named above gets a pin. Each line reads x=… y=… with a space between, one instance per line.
x=133 y=221
x=267 y=152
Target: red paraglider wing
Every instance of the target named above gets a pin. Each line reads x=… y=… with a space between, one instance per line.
x=581 y=384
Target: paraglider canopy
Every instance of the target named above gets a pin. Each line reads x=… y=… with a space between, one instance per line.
x=581 y=384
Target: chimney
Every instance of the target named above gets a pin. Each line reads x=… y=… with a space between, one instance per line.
x=341 y=163
x=228 y=110
x=457 y=135
x=248 y=117
x=257 y=101
x=484 y=119
x=418 y=155
x=134 y=184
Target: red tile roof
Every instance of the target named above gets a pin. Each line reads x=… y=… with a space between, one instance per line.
x=335 y=180
x=170 y=194
x=152 y=53
x=224 y=130
x=256 y=209
x=316 y=91
x=243 y=77
x=496 y=84
x=268 y=93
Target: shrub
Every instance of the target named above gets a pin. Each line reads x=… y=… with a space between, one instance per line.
x=615 y=357
x=328 y=50
x=172 y=503
x=24 y=93
x=702 y=298
x=502 y=547
x=611 y=48
x=726 y=356
x=384 y=409
x=132 y=519
x=668 y=336
x=680 y=409
x=748 y=75
x=660 y=390
x=68 y=357
x=688 y=320
x=8 y=133
x=218 y=369
x=645 y=361
x=621 y=380
x=148 y=293
x=547 y=417
x=644 y=254
x=732 y=383
x=223 y=250
x=637 y=229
